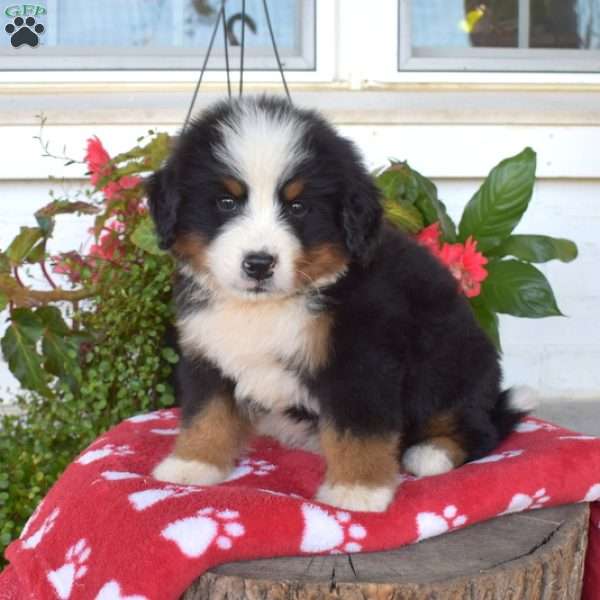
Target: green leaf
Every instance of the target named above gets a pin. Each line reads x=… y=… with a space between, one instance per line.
x=433 y=209
x=170 y=355
x=4 y=263
x=38 y=252
x=404 y=185
x=19 y=349
x=403 y=215
x=487 y=319
x=3 y=301
x=517 y=288
x=52 y=319
x=536 y=248
x=498 y=205
x=60 y=358
x=144 y=237
x=22 y=245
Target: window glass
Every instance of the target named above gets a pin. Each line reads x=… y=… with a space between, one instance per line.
x=124 y=29
x=573 y=24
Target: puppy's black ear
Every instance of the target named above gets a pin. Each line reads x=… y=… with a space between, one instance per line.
x=362 y=218
x=163 y=200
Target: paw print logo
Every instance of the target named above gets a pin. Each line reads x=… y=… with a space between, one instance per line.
x=24 y=32
x=107 y=450
x=63 y=578
x=496 y=457
x=528 y=426
x=430 y=524
x=34 y=540
x=249 y=466
x=520 y=502
x=324 y=531
x=194 y=535
x=147 y=498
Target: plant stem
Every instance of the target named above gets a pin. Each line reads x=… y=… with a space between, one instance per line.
x=47 y=275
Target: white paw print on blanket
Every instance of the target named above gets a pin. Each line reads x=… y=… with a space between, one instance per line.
x=147 y=498
x=107 y=450
x=430 y=524
x=528 y=426
x=497 y=457
x=324 y=531
x=593 y=494
x=155 y=416
x=578 y=437
x=33 y=541
x=194 y=535
x=119 y=475
x=520 y=502
x=63 y=578
x=112 y=591
x=249 y=466
x=165 y=431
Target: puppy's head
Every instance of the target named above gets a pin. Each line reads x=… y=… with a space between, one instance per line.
x=261 y=200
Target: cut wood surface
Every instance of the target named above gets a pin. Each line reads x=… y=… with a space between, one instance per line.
x=526 y=556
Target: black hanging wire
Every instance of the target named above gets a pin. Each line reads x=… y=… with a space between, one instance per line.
x=242 y=47
x=276 y=52
x=208 y=51
x=221 y=19
x=226 y=44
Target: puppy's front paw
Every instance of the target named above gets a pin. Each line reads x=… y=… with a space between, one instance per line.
x=356 y=497
x=188 y=472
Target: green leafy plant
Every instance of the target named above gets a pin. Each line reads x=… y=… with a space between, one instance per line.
x=90 y=349
x=493 y=265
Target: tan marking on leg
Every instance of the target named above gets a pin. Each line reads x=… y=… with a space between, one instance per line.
x=191 y=248
x=368 y=461
x=321 y=261
x=442 y=431
x=215 y=436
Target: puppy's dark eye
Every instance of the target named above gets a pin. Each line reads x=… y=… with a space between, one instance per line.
x=298 y=209
x=226 y=205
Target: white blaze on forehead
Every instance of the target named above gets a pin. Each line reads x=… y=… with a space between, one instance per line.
x=261 y=147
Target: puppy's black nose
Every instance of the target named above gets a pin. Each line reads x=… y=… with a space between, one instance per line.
x=258 y=265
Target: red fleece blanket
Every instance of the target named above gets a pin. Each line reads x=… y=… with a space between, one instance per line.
x=108 y=531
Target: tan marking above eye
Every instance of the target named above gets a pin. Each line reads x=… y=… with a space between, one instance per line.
x=234 y=187
x=293 y=189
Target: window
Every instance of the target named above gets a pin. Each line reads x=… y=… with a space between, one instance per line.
x=499 y=35
x=157 y=34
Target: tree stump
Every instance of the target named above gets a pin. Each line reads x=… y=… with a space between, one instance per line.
x=526 y=556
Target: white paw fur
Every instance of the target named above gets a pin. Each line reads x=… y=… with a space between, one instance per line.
x=189 y=472
x=426 y=459
x=356 y=497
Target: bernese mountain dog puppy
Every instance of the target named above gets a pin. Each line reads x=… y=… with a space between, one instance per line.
x=301 y=315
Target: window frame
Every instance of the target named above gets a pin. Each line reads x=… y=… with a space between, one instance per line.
x=505 y=61
x=297 y=69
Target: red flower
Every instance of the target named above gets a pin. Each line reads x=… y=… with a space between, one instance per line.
x=463 y=261
x=113 y=189
x=430 y=237
x=466 y=264
x=97 y=159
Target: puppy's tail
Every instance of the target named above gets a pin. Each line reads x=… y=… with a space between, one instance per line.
x=512 y=405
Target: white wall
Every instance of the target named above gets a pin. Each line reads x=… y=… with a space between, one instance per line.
x=454 y=137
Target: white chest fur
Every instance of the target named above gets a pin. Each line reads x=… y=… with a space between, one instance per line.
x=257 y=344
